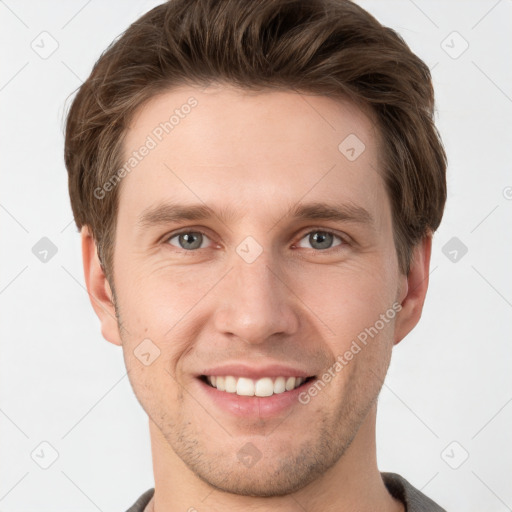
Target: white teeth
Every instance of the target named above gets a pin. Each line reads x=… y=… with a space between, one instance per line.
x=264 y=387
x=220 y=384
x=230 y=384
x=245 y=387
x=290 y=383
x=249 y=387
x=280 y=385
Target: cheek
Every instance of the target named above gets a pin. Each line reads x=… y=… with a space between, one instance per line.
x=157 y=299
x=160 y=313
x=348 y=299
x=153 y=385
x=160 y=301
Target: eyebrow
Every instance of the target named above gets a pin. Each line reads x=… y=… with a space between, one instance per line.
x=167 y=213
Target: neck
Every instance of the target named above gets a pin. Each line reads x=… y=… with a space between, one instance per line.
x=353 y=483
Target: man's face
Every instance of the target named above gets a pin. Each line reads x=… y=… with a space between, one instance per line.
x=252 y=285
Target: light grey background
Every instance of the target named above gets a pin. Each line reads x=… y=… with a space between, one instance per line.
x=448 y=392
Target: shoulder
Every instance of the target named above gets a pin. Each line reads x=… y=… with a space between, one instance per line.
x=143 y=500
x=413 y=499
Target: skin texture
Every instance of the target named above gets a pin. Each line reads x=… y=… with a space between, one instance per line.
x=297 y=304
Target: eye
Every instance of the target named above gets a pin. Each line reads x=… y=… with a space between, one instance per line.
x=322 y=239
x=319 y=239
x=188 y=240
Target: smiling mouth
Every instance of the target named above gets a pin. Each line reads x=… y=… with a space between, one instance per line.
x=263 y=387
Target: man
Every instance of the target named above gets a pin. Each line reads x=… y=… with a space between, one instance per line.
x=257 y=185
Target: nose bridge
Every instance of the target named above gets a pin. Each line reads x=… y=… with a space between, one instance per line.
x=255 y=300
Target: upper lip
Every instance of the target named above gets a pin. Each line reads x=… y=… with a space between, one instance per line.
x=254 y=372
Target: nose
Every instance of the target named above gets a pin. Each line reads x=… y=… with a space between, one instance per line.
x=256 y=302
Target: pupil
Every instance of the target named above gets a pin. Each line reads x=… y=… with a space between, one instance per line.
x=189 y=239
x=321 y=237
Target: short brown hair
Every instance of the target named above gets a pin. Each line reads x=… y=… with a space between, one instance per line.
x=327 y=47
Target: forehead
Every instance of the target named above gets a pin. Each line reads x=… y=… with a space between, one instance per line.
x=260 y=151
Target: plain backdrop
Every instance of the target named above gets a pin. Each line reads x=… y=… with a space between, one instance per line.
x=445 y=411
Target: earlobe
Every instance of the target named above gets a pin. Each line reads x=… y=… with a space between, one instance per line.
x=414 y=290
x=98 y=288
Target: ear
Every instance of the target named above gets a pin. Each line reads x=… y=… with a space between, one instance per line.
x=100 y=294
x=414 y=289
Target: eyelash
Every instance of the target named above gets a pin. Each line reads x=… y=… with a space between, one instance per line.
x=344 y=240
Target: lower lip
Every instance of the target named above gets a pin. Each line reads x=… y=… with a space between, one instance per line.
x=248 y=406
